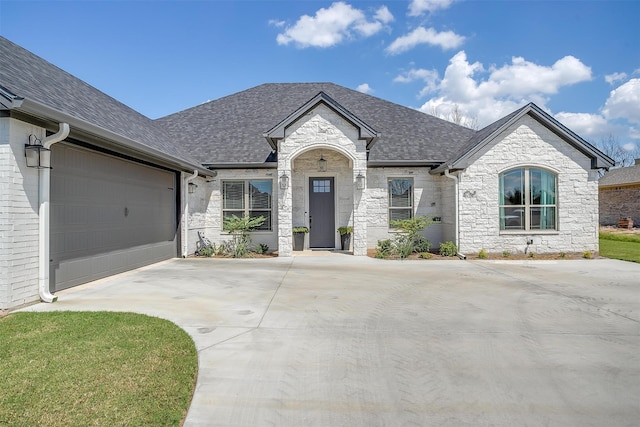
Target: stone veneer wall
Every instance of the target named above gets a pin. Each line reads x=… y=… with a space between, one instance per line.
x=528 y=143
x=321 y=128
x=19 y=222
x=620 y=201
x=427 y=196
x=205 y=208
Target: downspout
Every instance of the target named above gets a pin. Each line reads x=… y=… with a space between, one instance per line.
x=185 y=244
x=457 y=214
x=43 y=214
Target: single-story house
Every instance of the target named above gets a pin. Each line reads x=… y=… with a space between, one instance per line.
x=620 y=195
x=126 y=191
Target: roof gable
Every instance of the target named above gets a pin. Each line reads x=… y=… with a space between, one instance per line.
x=365 y=131
x=486 y=135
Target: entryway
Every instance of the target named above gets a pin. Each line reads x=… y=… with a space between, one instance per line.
x=322 y=230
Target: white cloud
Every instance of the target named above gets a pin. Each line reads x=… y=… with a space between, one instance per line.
x=429 y=77
x=332 y=25
x=624 y=102
x=419 y=7
x=276 y=23
x=630 y=146
x=615 y=77
x=421 y=35
x=488 y=94
x=364 y=88
x=383 y=15
x=587 y=125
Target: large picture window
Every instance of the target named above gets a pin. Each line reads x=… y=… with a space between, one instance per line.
x=400 y=198
x=528 y=199
x=251 y=198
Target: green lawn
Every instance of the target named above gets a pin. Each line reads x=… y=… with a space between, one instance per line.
x=620 y=246
x=94 y=368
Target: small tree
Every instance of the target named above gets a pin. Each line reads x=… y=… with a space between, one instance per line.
x=239 y=228
x=410 y=238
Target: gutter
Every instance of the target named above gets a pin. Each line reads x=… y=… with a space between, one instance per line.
x=456 y=209
x=185 y=191
x=43 y=215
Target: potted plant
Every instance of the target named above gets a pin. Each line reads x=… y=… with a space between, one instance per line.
x=298 y=237
x=345 y=236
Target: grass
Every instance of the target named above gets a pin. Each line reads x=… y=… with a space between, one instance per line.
x=94 y=368
x=625 y=247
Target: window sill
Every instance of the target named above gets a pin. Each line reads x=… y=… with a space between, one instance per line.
x=529 y=232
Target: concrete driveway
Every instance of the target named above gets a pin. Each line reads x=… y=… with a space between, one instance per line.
x=353 y=341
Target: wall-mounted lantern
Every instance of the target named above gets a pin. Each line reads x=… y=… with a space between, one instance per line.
x=360 y=181
x=36 y=155
x=284 y=181
x=322 y=164
x=192 y=188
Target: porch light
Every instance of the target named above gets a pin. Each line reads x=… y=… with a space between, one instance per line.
x=322 y=164
x=284 y=181
x=360 y=181
x=36 y=155
x=192 y=188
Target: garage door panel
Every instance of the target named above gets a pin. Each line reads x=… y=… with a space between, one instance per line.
x=108 y=215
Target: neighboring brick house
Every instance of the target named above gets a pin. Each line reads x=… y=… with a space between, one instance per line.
x=128 y=191
x=619 y=194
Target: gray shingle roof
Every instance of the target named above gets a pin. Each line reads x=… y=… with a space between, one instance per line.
x=34 y=79
x=231 y=129
x=621 y=176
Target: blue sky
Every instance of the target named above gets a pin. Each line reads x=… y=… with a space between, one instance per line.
x=579 y=60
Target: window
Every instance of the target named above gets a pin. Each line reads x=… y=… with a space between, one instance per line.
x=528 y=199
x=400 y=198
x=247 y=198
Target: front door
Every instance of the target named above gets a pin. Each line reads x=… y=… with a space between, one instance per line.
x=322 y=230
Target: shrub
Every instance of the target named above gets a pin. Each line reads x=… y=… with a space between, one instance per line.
x=262 y=248
x=420 y=245
x=532 y=254
x=425 y=255
x=345 y=230
x=587 y=255
x=301 y=229
x=506 y=254
x=403 y=246
x=239 y=228
x=384 y=248
x=483 y=254
x=448 y=249
x=563 y=255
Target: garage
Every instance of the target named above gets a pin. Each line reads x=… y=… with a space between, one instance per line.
x=108 y=215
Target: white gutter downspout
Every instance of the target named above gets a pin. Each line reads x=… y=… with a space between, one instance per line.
x=43 y=213
x=457 y=214
x=185 y=243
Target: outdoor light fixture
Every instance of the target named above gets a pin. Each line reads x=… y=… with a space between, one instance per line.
x=192 y=188
x=360 y=181
x=322 y=164
x=36 y=155
x=284 y=181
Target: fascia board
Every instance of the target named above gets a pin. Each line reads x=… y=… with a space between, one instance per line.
x=42 y=111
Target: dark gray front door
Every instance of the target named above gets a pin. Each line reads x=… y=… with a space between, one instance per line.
x=322 y=228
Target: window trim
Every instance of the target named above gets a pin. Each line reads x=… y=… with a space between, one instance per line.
x=527 y=202
x=410 y=208
x=246 y=201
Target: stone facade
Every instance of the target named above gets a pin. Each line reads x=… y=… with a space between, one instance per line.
x=19 y=222
x=528 y=143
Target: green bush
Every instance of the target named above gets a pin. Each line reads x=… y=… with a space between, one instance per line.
x=506 y=254
x=384 y=248
x=587 y=255
x=262 y=248
x=448 y=249
x=483 y=254
x=239 y=228
x=425 y=255
x=345 y=230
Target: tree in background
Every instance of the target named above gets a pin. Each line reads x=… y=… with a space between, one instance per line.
x=623 y=157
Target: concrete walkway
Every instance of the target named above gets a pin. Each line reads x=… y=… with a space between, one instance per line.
x=354 y=341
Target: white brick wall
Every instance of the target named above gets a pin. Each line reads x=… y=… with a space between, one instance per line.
x=18 y=216
x=528 y=143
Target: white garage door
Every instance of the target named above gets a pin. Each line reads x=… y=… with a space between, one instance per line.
x=108 y=215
